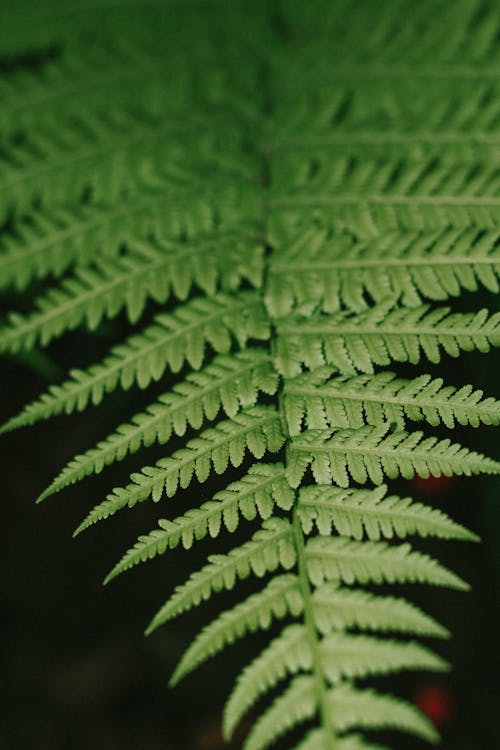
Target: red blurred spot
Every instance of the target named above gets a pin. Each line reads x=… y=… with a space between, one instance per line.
x=437 y=703
x=433 y=485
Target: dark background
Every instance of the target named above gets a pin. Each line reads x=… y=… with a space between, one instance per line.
x=76 y=670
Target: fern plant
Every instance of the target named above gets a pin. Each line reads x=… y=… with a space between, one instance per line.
x=285 y=193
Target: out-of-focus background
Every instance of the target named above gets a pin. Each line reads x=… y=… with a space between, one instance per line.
x=77 y=673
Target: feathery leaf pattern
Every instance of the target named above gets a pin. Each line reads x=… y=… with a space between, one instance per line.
x=272 y=205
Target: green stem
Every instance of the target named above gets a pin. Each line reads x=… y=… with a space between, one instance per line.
x=312 y=633
x=319 y=677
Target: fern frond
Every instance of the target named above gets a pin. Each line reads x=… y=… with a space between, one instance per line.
x=287 y=654
x=103 y=152
x=366 y=708
x=49 y=241
x=323 y=399
x=316 y=740
x=332 y=271
x=343 y=608
x=279 y=598
x=348 y=561
x=93 y=293
x=354 y=513
x=375 y=43
x=69 y=23
x=355 y=121
x=229 y=381
x=457 y=146
x=60 y=165
x=295 y=706
x=369 y=196
x=342 y=656
x=106 y=76
x=256 y=493
x=172 y=340
x=256 y=430
x=349 y=708
x=353 y=343
x=353 y=656
x=371 y=452
x=281 y=192
x=87 y=297
x=153 y=29
x=270 y=547
x=146 y=272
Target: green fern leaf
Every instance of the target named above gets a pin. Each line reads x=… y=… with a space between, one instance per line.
x=47 y=242
x=230 y=381
x=63 y=310
x=257 y=430
x=368 y=195
x=349 y=707
x=103 y=290
x=370 y=452
x=342 y=656
x=366 y=708
x=295 y=706
x=143 y=357
x=350 y=656
x=459 y=145
x=256 y=493
x=380 y=336
x=107 y=76
x=279 y=598
x=288 y=654
x=358 y=512
x=340 y=559
x=270 y=547
x=342 y=608
x=316 y=740
x=323 y=399
x=289 y=205
x=103 y=151
x=331 y=271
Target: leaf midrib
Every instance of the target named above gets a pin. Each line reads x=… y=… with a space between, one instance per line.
x=361 y=199
x=34 y=324
x=112 y=144
x=362 y=330
x=384 y=261
x=394 y=513
x=117 y=439
x=175 y=463
x=421 y=403
x=231 y=562
x=143 y=351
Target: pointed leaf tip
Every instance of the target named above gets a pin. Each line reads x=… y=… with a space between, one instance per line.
x=111 y=575
x=175 y=678
x=50 y=490
x=6 y=427
x=81 y=527
x=152 y=626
